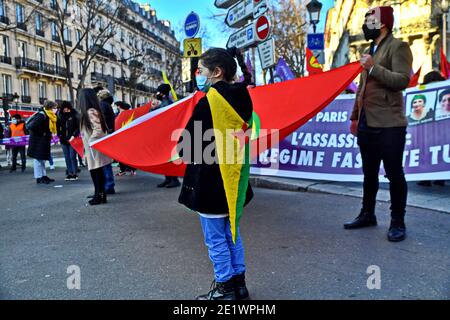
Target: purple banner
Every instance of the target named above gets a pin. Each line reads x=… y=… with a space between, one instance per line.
x=324 y=149
x=283 y=72
x=22 y=141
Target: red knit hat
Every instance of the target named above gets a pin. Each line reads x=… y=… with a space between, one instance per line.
x=384 y=14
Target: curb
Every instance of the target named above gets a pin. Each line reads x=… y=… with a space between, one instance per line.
x=428 y=203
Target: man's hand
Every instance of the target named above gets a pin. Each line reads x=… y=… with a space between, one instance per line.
x=367 y=62
x=354 y=127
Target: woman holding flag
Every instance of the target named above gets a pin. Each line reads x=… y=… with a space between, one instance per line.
x=218 y=191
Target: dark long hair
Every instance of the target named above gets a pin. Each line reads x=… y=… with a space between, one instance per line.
x=224 y=59
x=87 y=99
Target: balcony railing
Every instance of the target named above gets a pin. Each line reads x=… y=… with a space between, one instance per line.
x=55 y=38
x=4 y=19
x=95 y=76
x=80 y=47
x=136 y=64
x=68 y=43
x=40 y=33
x=8 y=96
x=26 y=99
x=154 y=72
x=4 y=59
x=42 y=100
x=22 y=26
x=105 y=53
x=154 y=54
x=38 y=66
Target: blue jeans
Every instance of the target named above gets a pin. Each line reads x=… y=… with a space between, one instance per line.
x=227 y=258
x=50 y=161
x=109 y=177
x=71 y=159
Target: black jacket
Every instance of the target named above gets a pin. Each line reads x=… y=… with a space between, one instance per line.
x=203 y=189
x=68 y=125
x=40 y=136
x=108 y=114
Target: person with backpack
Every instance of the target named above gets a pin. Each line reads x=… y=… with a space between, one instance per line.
x=41 y=127
x=17 y=129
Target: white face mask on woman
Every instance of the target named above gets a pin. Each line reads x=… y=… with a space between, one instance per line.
x=14 y=121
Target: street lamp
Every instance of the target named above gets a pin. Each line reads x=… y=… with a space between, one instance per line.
x=444 y=9
x=314 y=8
x=16 y=100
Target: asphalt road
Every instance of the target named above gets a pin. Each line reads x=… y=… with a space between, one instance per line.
x=144 y=245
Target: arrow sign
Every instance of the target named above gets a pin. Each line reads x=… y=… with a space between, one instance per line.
x=239 y=14
x=259 y=8
x=225 y=4
x=244 y=38
x=251 y=34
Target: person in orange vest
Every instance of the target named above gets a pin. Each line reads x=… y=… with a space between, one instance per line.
x=18 y=129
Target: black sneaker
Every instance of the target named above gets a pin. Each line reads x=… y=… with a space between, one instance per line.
x=42 y=181
x=45 y=178
x=68 y=178
x=397 y=231
x=74 y=177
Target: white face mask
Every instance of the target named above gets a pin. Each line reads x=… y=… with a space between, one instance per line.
x=14 y=121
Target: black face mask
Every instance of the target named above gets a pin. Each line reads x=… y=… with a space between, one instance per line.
x=370 y=34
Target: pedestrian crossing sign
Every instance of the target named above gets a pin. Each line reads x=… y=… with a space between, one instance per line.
x=192 y=47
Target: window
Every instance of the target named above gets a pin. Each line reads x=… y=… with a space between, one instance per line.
x=2 y=8
x=58 y=92
x=113 y=72
x=112 y=48
x=78 y=34
x=23 y=49
x=20 y=13
x=41 y=55
x=38 y=21
x=67 y=36
x=94 y=66
x=7 y=84
x=54 y=30
x=57 y=59
x=42 y=89
x=25 y=84
x=5 y=46
x=80 y=66
x=103 y=69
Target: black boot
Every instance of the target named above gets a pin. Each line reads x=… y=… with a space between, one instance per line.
x=173 y=183
x=240 y=288
x=364 y=219
x=397 y=231
x=220 y=291
x=97 y=199
x=164 y=183
x=45 y=178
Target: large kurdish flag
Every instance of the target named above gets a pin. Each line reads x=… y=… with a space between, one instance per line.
x=233 y=152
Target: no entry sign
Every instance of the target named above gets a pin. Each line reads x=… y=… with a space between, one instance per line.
x=262 y=27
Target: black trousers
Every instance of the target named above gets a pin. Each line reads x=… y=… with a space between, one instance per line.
x=98 y=178
x=388 y=145
x=124 y=167
x=23 y=159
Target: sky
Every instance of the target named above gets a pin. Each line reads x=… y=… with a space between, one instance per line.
x=213 y=30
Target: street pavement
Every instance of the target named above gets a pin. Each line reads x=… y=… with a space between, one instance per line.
x=144 y=245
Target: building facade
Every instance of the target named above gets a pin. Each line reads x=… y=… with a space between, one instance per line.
x=417 y=22
x=130 y=63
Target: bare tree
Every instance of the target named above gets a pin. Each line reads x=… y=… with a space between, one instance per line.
x=25 y=18
x=289 y=21
x=95 y=23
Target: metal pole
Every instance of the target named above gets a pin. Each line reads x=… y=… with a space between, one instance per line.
x=254 y=64
x=444 y=33
x=272 y=80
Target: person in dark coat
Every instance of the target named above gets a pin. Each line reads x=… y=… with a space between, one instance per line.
x=106 y=100
x=41 y=126
x=203 y=188
x=162 y=94
x=68 y=126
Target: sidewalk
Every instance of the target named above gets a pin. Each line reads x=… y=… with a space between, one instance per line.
x=434 y=198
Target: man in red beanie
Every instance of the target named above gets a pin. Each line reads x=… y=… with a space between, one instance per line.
x=379 y=121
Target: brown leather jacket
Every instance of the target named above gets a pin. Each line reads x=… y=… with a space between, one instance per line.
x=380 y=93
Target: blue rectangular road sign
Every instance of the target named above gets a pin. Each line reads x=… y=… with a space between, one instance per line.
x=316 y=41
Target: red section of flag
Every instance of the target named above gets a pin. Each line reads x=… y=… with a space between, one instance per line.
x=149 y=144
x=415 y=79
x=312 y=65
x=125 y=117
x=77 y=144
x=445 y=66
